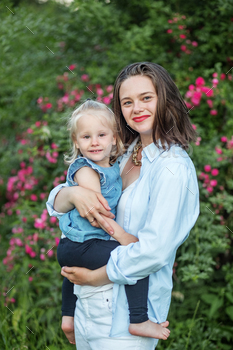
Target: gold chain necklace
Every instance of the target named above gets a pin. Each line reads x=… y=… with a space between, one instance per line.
x=135 y=153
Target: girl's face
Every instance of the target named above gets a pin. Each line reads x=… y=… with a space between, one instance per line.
x=138 y=101
x=94 y=138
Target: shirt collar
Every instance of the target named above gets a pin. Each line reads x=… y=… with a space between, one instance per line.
x=152 y=151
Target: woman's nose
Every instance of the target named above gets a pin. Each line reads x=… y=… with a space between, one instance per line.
x=138 y=108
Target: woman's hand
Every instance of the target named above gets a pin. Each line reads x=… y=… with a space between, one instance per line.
x=88 y=203
x=83 y=276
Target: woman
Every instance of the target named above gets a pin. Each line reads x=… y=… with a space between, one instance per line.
x=159 y=205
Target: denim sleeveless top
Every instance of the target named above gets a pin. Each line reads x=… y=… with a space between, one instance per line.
x=77 y=228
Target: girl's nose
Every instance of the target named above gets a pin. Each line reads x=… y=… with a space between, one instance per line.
x=94 y=141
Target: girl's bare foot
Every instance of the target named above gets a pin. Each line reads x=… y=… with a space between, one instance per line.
x=150 y=329
x=68 y=328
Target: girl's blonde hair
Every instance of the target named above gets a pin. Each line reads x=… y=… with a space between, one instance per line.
x=92 y=107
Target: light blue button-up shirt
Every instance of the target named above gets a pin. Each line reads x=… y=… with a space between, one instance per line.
x=161 y=209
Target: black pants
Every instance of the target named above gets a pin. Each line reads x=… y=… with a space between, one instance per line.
x=92 y=254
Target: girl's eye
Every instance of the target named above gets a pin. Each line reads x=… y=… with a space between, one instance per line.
x=86 y=137
x=102 y=135
x=126 y=103
x=147 y=97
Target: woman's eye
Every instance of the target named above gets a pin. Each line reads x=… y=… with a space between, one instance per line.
x=147 y=97
x=126 y=103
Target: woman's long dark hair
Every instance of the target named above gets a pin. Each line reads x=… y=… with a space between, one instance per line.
x=172 y=123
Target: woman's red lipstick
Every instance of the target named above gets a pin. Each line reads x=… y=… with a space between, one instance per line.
x=140 y=119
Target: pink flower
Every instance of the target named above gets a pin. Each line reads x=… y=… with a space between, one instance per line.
x=53 y=220
x=182 y=36
x=188 y=52
x=207 y=168
x=55 y=154
x=191 y=87
x=188 y=104
x=48 y=105
x=30 y=279
x=99 y=91
x=33 y=197
x=28 y=249
x=200 y=81
x=215 y=75
x=214 y=172
x=32 y=254
x=218 y=150
x=109 y=88
x=39 y=223
x=29 y=131
x=106 y=100
x=37 y=124
x=57 y=240
x=210 y=103
x=183 y=47
x=215 y=81
x=40 y=100
x=208 y=91
x=84 y=77
x=213 y=183
x=224 y=139
x=170 y=21
x=222 y=76
x=12 y=300
x=194 y=43
x=54 y=146
x=42 y=257
x=210 y=189
x=50 y=253
x=72 y=66
x=219 y=159
x=180 y=27
x=169 y=31
x=23 y=142
x=194 y=126
x=213 y=112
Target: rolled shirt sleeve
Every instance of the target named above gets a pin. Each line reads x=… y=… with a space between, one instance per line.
x=173 y=208
x=50 y=202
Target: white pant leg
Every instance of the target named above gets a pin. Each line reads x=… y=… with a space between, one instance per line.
x=93 y=318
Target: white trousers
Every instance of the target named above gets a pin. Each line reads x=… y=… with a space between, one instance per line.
x=93 y=318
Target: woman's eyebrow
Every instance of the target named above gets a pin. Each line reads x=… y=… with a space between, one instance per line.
x=143 y=93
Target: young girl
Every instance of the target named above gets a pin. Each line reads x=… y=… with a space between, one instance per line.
x=96 y=145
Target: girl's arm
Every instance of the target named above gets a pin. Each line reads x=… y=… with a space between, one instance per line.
x=89 y=178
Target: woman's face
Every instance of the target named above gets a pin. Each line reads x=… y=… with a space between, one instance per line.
x=138 y=101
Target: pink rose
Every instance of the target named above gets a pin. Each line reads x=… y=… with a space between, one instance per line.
x=50 y=253
x=222 y=76
x=213 y=183
x=218 y=150
x=214 y=172
x=84 y=77
x=72 y=66
x=33 y=197
x=224 y=139
x=183 y=48
x=207 y=168
x=210 y=189
x=191 y=87
x=42 y=257
x=194 y=126
x=213 y=112
x=200 y=81
x=182 y=36
x=169 y=31
x=215 y=75
x=210 y=103
x=194 y=43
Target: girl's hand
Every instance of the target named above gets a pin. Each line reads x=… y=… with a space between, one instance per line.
x=88 y=203
x=83 y=276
